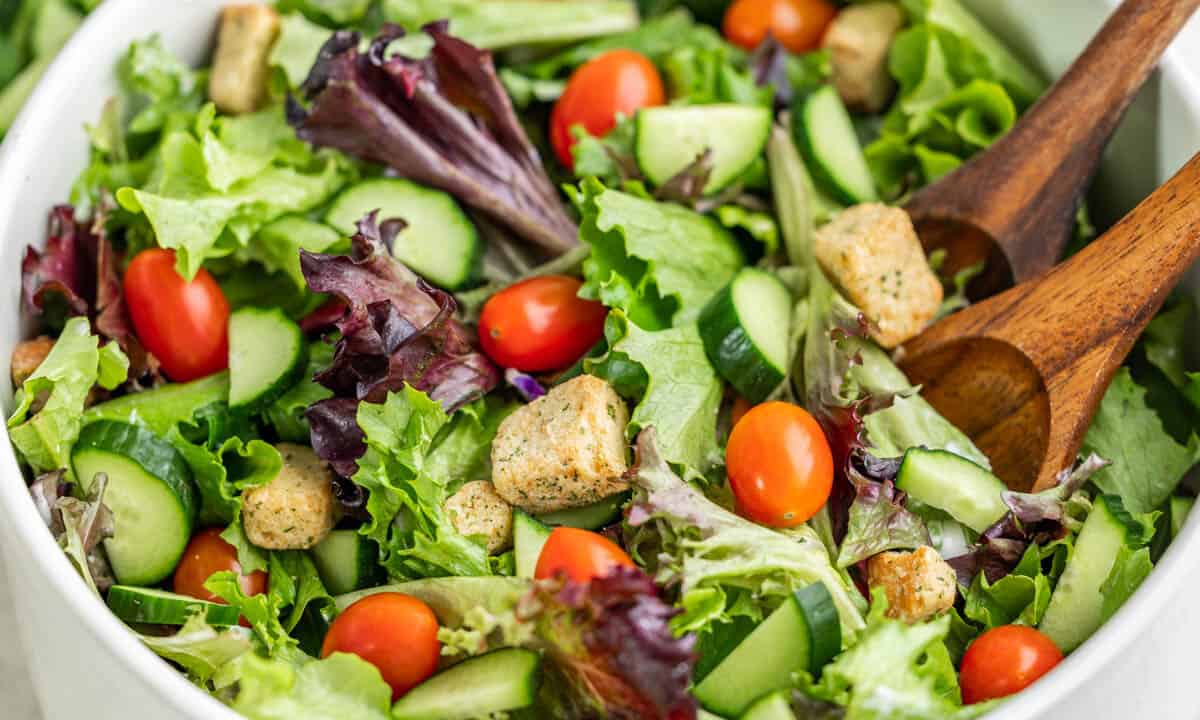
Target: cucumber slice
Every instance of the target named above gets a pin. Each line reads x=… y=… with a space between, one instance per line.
x=529 y=536
x=347 y=561
x=267 y=356
x=804 y=633
x=440 y=242
x=948 y=482
x=159 y=607
x=1180 y=507
x=150 y=494
x=775 y=706
x=1076 y=606
x=670 y=137
x=826 y=138
x=745 y=328
x=589 y=517
x=496 y=682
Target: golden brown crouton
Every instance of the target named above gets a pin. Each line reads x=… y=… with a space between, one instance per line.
x=28 y=356
x=563 y=450
x=871 y=252
x=476 y=509
x=858 y=41
x=296 y=510
x=919 y=584
x=240 y=71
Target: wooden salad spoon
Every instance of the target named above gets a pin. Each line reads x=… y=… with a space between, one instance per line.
x=1023 y=372
x=1014 y=205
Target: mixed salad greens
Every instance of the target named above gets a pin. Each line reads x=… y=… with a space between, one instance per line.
x=531 y=358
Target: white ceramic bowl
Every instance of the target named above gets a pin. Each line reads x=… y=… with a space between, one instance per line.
x=84 y=662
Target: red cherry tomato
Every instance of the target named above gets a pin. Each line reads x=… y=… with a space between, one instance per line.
x=540 y=324
x=582 y=555
x=396 y=633
x=779 y=465
x=798 y=25
x=1006 y=660
x=617 y=82
x=184 y=324
x=205 y=555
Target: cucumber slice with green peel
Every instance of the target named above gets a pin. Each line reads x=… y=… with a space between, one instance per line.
x=347 y=561
x=159 y=607
x=1076 y=608
x=589 y=517
x=529 y=536
x=826 y=138
x=150 y=493
x=671 y=137
x=495 y=682
x=1180 y=507
x=967 y=492
x=440 y=243
x=804 y=633
x=745 y=328
x=267 y=356
x=775 y=706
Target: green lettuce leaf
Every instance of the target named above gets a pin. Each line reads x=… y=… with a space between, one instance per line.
x=658 y=262
x=278 y=244
x=295 y=581
x=200 y=649
x=1130 y=568
x=164 y=407
x=286 y=414
x=340 y=687
x=680 y=395
x=163 y=90
x=75 y=364
x=1147 y=464
x=296 y=49
x=497 y=24
x=463 y=449
x=222 y=474
x=1019 y=597
x=336 y=12
x=709 y=75
x=262 y=611
x=415 y=536
x=604 y=158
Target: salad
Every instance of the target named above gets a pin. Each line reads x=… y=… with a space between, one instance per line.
x=533 y=358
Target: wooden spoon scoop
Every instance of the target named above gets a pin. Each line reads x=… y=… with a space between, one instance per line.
x=1022 y=373
x=1014 y=205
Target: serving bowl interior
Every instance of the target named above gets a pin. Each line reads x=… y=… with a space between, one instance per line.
x=84 y=660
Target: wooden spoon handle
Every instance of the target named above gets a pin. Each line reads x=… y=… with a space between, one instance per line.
x=1047 y=160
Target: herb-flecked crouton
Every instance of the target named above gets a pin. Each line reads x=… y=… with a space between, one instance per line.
x=296 y=510
x=241 y=69
x=477 y=509
x=858 y=41
x=919 y=584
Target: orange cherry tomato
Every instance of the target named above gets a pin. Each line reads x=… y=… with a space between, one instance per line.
x=184 y=324
x=617 y=82
x=798 y=25
x=396 y=633
x=540 y=324
x=779 y=465
x=581 y=554
x=205 y=555
x=1006 y=660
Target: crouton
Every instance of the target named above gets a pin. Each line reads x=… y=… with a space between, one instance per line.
x=871 y=252
x=563 y=450
x=476 y=509
x=858 y=41
x=296 y=510
x=28 y=356
x=919 y=584
x=241 y=70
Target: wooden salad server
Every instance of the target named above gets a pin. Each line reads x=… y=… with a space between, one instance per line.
x=1014 y=204
x=1023 y=372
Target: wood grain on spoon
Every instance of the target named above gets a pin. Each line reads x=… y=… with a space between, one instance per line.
x=1023 y=372
x=1015 y=203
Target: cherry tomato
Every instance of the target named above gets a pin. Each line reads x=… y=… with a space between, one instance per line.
x=617 y=82
x=184 y=324
x=396 y=633
x=779 y=465
x=540 y=324
x=205 y=555
x=582 y=555
x=1006 y=660
x=798 y=25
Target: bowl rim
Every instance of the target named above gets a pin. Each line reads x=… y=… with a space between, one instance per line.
x=175 y=690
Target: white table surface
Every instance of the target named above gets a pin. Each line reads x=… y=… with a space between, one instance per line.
x=17 y=694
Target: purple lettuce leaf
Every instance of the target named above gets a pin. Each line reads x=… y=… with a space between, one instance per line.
x=396 y=330
x=443 y=121
x=611 y=645
x=78 y=525
x=77 y=274
x=877 y=519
